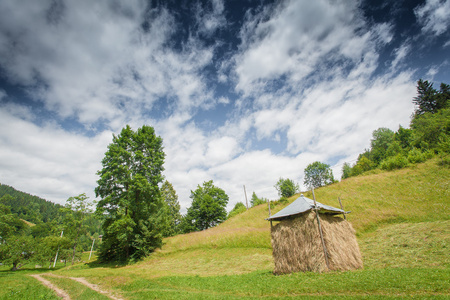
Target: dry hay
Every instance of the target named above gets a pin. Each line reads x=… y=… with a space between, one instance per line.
x=297 y=245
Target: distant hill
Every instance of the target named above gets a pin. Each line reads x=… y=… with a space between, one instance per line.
x=28 y=207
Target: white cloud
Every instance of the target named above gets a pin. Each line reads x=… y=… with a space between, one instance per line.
x=302 y=37
x=208 y=21
x=97 y=63
x=434 y=16
x=47 y=161
x=400 y=55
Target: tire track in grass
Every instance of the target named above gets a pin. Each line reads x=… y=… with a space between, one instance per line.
x=94 y=287
x=61 y=293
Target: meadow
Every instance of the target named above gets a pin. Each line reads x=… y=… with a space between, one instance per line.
x=402 y=221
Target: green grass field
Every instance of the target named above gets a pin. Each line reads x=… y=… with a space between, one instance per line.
x=403 y=230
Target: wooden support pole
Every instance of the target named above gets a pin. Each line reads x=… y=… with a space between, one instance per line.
x=270 y=214
x=92 y=248
x=345 y=218
x=56 y=257
x=246 y=201
x=325 y=252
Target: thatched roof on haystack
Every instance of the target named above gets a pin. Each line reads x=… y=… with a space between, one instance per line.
x=297 y=244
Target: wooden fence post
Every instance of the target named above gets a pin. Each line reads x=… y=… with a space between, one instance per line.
x=345 y=218
x=325 y=252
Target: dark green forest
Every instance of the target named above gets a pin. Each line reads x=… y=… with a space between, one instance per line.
x=31 y=227
x=28 y=207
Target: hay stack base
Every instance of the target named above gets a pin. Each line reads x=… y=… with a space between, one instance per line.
x=297 y=244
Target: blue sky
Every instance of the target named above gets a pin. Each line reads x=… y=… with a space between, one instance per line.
x=242 y=92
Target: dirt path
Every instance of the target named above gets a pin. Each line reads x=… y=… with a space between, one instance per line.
x=94 y=287
x=61 y=293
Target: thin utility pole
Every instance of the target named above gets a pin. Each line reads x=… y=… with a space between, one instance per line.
x=245 y=193
x=325 y=252
x=56 y=257
x=92 y=247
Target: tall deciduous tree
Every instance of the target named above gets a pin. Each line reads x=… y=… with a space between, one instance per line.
x=173 y=206
x=131 y=201
x=318 y=174
x=381 y=139
x=75 y=211
x=17 y=251
x=346 y=171
x=286 y=187
x=207 y=209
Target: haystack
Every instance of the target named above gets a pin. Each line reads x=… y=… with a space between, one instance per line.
x=297 y=243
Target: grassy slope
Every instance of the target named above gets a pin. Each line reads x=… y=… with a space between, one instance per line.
x=403 y=229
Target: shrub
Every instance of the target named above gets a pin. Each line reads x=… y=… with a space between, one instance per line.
x=394 y=162
x=416 y=156
x=238 y=208
x=257 y=201
x=283 y=200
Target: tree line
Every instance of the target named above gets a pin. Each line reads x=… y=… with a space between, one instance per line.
x=70 y=232
x=428 y=135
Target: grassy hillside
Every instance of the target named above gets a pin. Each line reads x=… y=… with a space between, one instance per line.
x=417 y=194
x=412 y=195
x=403 y=229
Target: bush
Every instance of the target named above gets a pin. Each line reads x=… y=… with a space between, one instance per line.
x=416 y=156
x=283 y=200
x=394 y=162
x=238 y=208
x=286 y=187
x=257 y=201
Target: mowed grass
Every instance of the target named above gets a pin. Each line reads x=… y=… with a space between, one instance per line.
x=417 y=194
x=19 y=285
x=403 y=228
x=75 y=289
x=412 y=245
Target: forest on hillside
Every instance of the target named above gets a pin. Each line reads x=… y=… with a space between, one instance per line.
x=34 y=229
x=28 y=207
x=428 y=135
